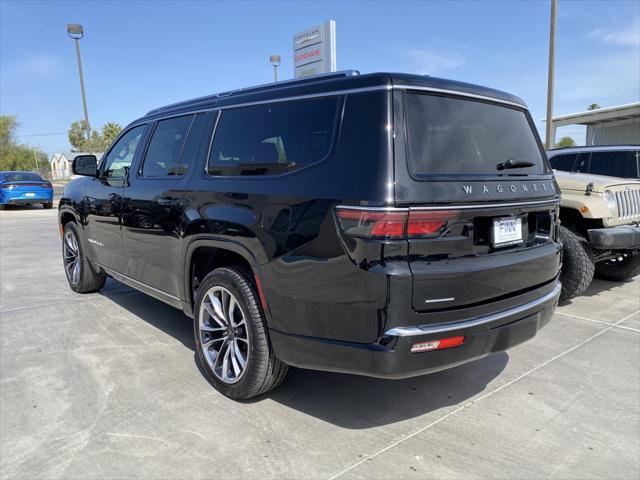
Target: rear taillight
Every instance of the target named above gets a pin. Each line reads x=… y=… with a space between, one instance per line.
x=47 y=185
x=393 y=224
x=7 y=185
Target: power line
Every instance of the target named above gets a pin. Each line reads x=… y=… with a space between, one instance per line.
x=42 y=134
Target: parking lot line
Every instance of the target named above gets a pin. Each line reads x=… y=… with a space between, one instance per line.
x=622 y=327
x=482 y=397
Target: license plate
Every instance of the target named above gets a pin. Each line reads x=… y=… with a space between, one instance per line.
x=30 y=194
x=507 y=231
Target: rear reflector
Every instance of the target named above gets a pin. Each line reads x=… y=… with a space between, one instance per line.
x=437 y=344
x=393 y=224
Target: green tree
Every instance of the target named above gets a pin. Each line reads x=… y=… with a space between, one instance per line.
x=14 y=155
x=594 y=106
x=565 y=142
x=97 y=142
x=78 y=136
x=110 y=131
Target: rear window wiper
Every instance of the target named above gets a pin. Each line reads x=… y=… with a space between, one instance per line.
x=514 y=163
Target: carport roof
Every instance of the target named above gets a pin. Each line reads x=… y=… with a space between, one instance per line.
x=601 y=115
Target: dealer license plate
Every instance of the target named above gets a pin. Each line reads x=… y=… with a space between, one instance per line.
x=507 y=231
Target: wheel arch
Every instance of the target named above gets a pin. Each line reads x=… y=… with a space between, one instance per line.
x=206 y=254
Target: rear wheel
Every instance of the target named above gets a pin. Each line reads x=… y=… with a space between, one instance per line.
x=619 y=269
x=2 y=205
x=81 y=275
x=231 y=336
x=577 y=266
x=48 y=205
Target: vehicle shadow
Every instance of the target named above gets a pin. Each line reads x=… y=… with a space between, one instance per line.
x=347 y=401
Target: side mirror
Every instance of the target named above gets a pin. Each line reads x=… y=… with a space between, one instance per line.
x=86 y=165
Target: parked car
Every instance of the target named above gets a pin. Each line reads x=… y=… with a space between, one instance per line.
x=24 y=188
x=600 y=229
x=388 y=225
x=621 y=161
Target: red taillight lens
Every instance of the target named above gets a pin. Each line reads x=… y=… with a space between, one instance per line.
x=428 y=222
x=437 y=344
x=393 y=223
x=370 y=223
x=47 y=185
x=7 y=185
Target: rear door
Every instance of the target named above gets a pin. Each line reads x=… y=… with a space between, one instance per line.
x=487 y=228
x=154 y=200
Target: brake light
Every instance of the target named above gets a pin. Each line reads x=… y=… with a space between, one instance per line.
x=47 y=185
x=442 y=344
x=393 y=224
x=428 y=222
x=7 y=185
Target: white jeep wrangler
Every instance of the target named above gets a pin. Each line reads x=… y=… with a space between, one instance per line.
x=600 y=229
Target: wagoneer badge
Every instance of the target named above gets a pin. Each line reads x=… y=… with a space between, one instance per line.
x=524 y=187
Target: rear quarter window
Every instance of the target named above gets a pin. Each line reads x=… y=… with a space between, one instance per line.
x=274 y=138
x=455 y=136
x=563 y=162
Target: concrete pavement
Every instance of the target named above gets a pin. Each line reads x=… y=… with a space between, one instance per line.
x=106 y=386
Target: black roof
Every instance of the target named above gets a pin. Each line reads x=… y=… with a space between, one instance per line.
x=336 y=81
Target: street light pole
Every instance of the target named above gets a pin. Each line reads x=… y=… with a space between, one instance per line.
x=76 y=32
x=275 y=61
x=550 y=131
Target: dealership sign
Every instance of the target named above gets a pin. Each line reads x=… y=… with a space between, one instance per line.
x=314 y=50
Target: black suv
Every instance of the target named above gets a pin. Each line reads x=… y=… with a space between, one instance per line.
x=382 y=224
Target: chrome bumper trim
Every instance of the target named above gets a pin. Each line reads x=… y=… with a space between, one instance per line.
x=451 y=327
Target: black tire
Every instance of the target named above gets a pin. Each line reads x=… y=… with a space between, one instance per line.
x=47 y=205
x=577 y=266
x=2 y=206
x=619 y=269
x=88 y=278
x=262 y=371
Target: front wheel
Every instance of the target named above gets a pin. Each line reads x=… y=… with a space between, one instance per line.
x=231 y=336
x=577 y=266
x=620 y=268
x=81 y=275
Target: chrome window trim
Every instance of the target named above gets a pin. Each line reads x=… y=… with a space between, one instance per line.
x=460 y=94
x=444 y=328
x=555 y=201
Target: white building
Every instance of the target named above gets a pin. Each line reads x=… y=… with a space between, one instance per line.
x=61 y=163
x=605 y=126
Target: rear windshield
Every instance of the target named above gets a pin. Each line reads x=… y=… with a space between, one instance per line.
x=21 y=176
x=451 y=136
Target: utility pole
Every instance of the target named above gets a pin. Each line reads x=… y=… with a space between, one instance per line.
x=550 y=131
x=76 y=32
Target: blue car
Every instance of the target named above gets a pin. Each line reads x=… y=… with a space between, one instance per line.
x=24 y=188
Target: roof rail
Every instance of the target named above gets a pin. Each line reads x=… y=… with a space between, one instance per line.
x=321 y=76
x=264 y=86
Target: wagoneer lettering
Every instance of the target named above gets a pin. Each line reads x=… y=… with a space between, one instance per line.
x=387 y=225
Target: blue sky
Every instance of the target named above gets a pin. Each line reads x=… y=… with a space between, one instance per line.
x=140 y=55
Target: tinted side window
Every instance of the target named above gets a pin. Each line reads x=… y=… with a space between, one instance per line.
x=165 y=147
x=117 y=163
x=582 y=164
x=563 y=162
x=614 y=164
x=274 y=138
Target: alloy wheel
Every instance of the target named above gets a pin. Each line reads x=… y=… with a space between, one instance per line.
x=71 y=257
x=223 y=334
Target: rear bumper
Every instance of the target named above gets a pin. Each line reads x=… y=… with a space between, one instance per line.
x=390 y=356
x=40 y=197
x=623 y=237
